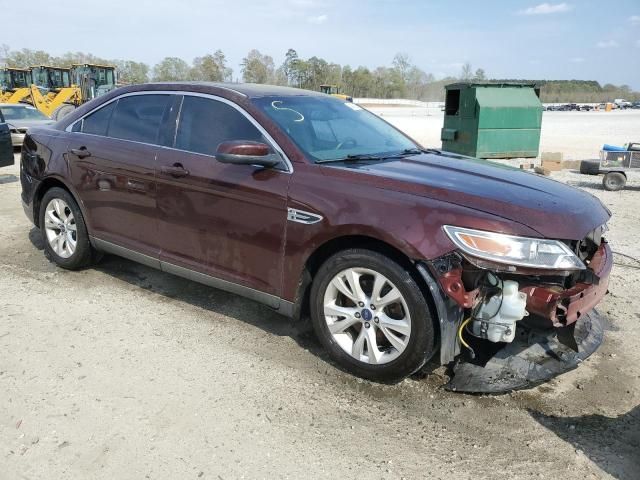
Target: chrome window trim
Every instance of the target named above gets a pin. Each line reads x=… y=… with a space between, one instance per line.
x=237 y=107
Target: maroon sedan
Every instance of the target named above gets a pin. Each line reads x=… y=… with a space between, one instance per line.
x=312 y=205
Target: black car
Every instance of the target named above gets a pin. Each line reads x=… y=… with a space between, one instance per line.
x=6 y=148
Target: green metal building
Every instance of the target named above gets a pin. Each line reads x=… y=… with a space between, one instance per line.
x=492 y=120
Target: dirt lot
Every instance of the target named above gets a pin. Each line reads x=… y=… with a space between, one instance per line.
x=122 y=372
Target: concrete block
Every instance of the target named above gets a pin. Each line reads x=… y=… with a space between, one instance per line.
x=552 y=165
x=552 y=156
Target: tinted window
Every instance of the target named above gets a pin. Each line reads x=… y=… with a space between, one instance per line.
x=96 y=123
x=138 y=118
x=205 y=123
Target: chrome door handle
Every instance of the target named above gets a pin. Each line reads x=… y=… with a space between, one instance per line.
x=81 y=152
x=175 y=170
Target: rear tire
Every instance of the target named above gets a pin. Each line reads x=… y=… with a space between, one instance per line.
x=385 y=342
x=590 y=167
x=66 y=241
x=614 y=181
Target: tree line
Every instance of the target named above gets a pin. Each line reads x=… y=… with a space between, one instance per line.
x=400 y=79
x=581 y=91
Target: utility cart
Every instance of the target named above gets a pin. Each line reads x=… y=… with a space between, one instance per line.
x=616 y=162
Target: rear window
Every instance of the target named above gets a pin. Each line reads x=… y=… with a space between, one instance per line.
x=138 y=118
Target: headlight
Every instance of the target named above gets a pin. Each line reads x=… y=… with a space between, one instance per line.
x=511 y=250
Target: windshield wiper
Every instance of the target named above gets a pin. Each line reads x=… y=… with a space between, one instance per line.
x=418 y=151
x=354 y=158
x=412 y=151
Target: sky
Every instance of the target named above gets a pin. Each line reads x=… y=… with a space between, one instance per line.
x=581 y=39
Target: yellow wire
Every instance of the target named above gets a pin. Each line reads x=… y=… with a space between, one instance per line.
x=462 y=325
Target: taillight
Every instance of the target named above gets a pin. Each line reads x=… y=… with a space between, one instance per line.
x=28 y=144
x=28 y=155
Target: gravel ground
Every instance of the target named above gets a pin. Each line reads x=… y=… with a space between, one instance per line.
x=123 y=372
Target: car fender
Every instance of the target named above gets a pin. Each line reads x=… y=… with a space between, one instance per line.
x=330 y=208
x=46 y=168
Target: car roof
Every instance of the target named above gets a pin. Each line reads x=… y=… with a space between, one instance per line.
x=250 y=90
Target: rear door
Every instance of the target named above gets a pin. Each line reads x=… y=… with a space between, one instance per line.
x=6 y=148
x=112 y=154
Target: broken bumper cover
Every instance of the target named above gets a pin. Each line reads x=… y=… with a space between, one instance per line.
x=565 y=307
x=534 y=357
x=570 y=330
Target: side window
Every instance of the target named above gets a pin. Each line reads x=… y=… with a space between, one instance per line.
x=96 y=123
x=205 y=123
x=138 y=118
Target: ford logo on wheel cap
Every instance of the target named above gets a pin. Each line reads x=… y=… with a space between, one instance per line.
x=366 y=314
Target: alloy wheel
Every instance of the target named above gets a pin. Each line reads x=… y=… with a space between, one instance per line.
x=60 y=228
x=367 y=315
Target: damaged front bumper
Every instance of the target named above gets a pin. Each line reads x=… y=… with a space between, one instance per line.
x=534 y=357
x=562 y=308
x=562 y=328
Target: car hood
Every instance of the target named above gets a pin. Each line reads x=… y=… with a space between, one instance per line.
x=551 y=208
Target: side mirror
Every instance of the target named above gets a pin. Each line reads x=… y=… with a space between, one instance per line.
x=245 y=152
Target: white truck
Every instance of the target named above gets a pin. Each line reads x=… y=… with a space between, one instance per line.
x=622 y=103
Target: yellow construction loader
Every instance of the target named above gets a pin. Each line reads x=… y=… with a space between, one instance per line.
x=334 y=91
x=58 y=91
x=14 y=84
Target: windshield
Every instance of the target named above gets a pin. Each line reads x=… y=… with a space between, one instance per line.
x=50 y=77
x=22 y=113
x=10 y=79
x=328 y=129
x=21 y=79
x=105 y=77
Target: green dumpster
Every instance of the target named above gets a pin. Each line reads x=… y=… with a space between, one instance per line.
x=492 y=120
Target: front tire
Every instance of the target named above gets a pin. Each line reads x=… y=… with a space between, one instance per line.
x=371 y=316
x=66 y=241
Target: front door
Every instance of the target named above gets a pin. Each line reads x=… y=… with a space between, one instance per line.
x=223 y=220
x=112 y=156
